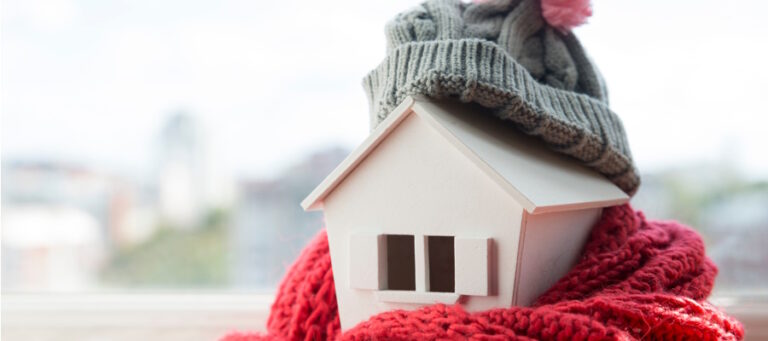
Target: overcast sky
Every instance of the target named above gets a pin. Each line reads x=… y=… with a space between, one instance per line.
x=93 y=81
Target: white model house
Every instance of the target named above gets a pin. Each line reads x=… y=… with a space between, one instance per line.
x=444 y=203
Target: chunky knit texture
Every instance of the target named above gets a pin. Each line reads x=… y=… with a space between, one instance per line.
x=502 y=55
x=637 y=279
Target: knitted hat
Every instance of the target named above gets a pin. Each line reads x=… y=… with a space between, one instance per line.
x=503 y=55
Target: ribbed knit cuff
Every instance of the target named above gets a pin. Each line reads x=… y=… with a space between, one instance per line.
x=475 y=70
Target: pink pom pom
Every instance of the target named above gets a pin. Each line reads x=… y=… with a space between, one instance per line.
x=565 y=14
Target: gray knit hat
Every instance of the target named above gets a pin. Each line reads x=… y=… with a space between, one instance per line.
x=502 y=55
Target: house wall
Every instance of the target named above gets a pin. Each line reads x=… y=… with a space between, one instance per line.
x=552 y=244
x=416 y=183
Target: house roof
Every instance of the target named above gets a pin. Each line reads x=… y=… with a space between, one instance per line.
x=541 y=180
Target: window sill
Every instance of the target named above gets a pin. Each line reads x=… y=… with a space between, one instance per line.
x=208 y=316
x=751 y=309
x=132 y=316
x=402 y=296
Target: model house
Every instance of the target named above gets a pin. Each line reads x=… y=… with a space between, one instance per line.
x=444 y=203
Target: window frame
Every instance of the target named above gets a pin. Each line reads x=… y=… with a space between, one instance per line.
x=426 y=258
x=421 y=293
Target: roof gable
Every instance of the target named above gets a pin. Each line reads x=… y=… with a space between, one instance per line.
x=541 y=180
x=314 y=200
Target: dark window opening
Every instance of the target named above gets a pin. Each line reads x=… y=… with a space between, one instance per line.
x=401 y=265
x=441 y=264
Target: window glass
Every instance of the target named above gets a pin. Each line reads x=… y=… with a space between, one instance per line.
x=401 y=265
x=167 y=144
x=441 y=263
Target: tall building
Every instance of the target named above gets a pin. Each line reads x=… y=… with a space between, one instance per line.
x=181 y=172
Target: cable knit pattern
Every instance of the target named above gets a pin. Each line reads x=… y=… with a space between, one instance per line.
x=502 y=55
x=637 y=279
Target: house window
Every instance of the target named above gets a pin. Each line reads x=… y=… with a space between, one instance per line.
x=441 y=266
x=401 y=265
x=438 y=256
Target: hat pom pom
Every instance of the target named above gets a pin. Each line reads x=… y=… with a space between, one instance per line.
x=565 y=14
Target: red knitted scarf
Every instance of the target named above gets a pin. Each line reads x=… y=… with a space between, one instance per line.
x=637 y=279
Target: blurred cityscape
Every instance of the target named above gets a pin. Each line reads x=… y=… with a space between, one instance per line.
x=68 y=227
